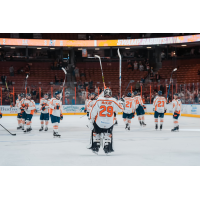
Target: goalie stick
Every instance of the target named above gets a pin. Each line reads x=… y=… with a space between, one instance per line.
x=63 y=82
x=96 y=56
x=170 y=85
x=120 y=71
x=8 y=131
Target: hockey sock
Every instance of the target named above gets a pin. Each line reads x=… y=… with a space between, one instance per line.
x=55 y=127
x=23 y=123
x=125 y=121
x=161 y=121
x=156 y=121
x=129 y=122
x=139 y=118
x=28 y=124
x=46 y=123
x=42 y=124
x=142 y=118
x=175 y=122
x=19 y=122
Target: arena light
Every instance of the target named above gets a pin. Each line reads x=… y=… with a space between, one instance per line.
x=12 y=47
x=0 y=47
x=80 y=49
x=127 y=48
x=183 y=45
x=39 y=48
x=148 y=47
x=96 y=48
x=52 y=48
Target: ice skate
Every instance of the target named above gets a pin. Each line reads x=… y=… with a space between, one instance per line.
x=19 y=127
x=46 y=129
x=161 y=127
x=41 y=129
x=156 y=127
x=56 y=134
x=143 y=124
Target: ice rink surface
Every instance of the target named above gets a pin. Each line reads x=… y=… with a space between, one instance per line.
x=140 y=146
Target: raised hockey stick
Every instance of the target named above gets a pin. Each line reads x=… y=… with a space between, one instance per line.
x=120 y=71
x=170 y=84
x=26 y=82
x=131 y=81
x=101 y=70
x=8 y=131
x=63 y=82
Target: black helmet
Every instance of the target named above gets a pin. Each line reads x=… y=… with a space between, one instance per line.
x=129 y=94
x=160 y=92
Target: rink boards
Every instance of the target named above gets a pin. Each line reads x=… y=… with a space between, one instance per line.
x=188 y=110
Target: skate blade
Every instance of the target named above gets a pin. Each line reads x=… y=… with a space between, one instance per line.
x=95 y=152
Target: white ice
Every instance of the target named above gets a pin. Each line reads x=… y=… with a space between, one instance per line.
x=140 y=146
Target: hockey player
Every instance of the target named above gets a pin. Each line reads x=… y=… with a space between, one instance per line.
x=86 y=104
x=160 y=107
x=44 y=116
x=129 y=110
x=0 y=114
x=56 y=112
x=23 y=113
x=19 y=115
x=139 y=108
x=101 y=123
x=177 y=111
x=29 y=107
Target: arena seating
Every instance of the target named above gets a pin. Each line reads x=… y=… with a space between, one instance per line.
x=187 y=70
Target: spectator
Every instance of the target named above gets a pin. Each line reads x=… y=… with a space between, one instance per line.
x=76 y=70
x=141 y=67
x=147 y=65
x=147 y=101
x=66 y=101
x=91 y=84
x=3 y=79
x=142 y=80
x=157 y=77
x=162 y=55
x=11 y=69
x=130 y=66
x=10 y=83
x=135 y=65
x=6 y=100
x=137 y=86
x=73 y=100
x=27 y=71
x=151 y=75
x=56 y=80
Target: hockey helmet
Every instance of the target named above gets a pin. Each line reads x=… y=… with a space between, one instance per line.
x=176 y=94
x=160 y=93
x=135 y=93
x=107 y=92
x=28 y=95
x=46 y=95
x=22 y=95
x=129 y=94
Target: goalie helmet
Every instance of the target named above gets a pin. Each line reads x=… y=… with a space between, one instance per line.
x=46 y=95
x=160 y=93
x=129 y=94
x=107 y=92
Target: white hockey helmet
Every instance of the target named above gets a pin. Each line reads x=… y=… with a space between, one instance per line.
x=107 y=92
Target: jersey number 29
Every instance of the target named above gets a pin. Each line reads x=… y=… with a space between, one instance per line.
x=109 y=110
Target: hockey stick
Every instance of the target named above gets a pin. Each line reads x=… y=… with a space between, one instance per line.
x=170 y=84
x=63 y=82
x=9 y=131
x=26 y=82
x=120 y=71
x=8 y=93
x=131 y=81
x=101 y=70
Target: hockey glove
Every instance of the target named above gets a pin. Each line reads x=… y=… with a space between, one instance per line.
x=133 y=115
x=144 y=107
x=0 y=115
x=61 y=117
x=85 y=111
x=57 y=107
x=23 y=105
x=165 y=111
x=43 y=108
x=20 y=114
